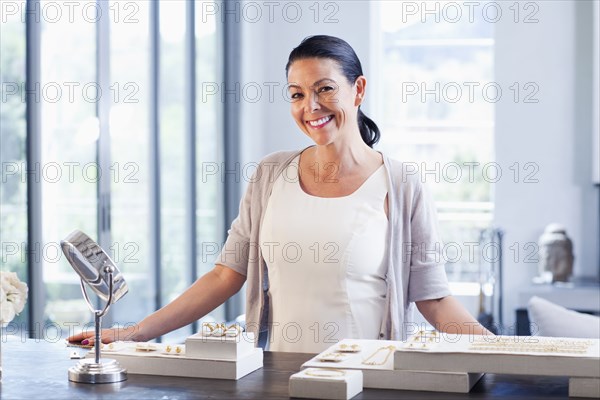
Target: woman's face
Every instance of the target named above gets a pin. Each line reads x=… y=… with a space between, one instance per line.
x=324 y=104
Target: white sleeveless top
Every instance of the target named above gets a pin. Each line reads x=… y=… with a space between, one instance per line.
x=325 y=263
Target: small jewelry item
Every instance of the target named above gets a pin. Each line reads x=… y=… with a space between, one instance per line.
x=387 y=350
x=325 y=373
x=145 y=347
x=177 y=351
x=76 y=356
x=348 y=348
x=219 y=330
x=233 y=330
x=208 y=328
x=332 y=357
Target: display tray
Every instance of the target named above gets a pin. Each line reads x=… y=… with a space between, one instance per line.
x=159 y=359
x=376 y=360
x=317 y=383
x=221 y=347
x=520 y=355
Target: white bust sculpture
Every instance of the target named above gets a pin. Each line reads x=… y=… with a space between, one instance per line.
x=555 y=255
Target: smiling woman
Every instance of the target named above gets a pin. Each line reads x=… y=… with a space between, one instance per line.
x=334 y=241
x=319 y=56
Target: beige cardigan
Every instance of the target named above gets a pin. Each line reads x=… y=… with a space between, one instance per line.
x=414 y=252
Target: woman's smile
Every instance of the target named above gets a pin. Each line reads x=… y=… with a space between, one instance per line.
x=321 y=122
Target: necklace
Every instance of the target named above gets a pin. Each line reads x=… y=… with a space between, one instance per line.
x=325 y=373
x=387 y=350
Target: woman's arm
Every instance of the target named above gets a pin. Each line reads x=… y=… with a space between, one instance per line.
x=206 y=294
x=448 y=315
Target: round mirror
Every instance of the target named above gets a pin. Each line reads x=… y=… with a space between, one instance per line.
x=88 y=259
x=99 y=272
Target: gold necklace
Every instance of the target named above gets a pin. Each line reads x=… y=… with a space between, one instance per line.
x=390 y=350
x=325 y=373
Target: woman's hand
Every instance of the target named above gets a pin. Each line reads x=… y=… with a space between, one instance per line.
x=108 y=335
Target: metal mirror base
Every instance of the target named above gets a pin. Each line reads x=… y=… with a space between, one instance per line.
x=106 y=371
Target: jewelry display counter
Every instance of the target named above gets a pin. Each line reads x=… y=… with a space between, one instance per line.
x=38 y=369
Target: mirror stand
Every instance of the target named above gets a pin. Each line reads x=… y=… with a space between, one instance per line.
x=98 y=370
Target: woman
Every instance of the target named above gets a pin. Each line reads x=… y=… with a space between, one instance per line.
x=334 y=241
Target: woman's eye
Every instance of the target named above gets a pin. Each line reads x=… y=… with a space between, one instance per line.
x=296 y=96
x=325 y=89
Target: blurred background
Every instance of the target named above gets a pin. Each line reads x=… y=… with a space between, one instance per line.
x=141 y=122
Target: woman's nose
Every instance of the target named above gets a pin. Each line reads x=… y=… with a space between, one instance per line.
x=312 y=103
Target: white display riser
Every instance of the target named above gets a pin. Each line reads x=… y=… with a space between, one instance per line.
x=180 y=365
x=310 y=387
x=385 y=377
x=223 y=347
x=456 y=356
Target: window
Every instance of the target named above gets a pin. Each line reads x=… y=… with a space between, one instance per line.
x=13 y=130
x=97 y=163
x=438 y=112
x=69 y=133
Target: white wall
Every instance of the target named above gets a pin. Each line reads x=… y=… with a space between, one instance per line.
x=555 y=133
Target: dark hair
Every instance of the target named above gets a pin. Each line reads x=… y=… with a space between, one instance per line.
x=331 y=47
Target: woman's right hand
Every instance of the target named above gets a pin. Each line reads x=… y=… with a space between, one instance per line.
x=87 y=337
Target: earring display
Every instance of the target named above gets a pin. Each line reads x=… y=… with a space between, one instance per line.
x=174 y=350
x=425 y=336
x=212 y=329
x=417 y=346
x=219 y=341
x=348 y=348
x=145 y=347
x=172 y=359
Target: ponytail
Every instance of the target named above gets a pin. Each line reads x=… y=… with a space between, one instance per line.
x=368 y=129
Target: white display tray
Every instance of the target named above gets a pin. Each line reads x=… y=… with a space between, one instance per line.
x=459 y=353
x=159 y=363
x=221 y=347
x=385 y=377
x=337 y=388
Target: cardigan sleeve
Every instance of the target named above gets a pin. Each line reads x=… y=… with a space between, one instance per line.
x=236 y=251
x=427 y=271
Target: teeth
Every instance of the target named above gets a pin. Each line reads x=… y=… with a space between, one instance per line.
x=320 y=121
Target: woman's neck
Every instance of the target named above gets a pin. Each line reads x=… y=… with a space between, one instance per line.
x=345 y=159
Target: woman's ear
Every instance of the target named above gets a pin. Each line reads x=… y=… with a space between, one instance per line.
x=360 y=88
